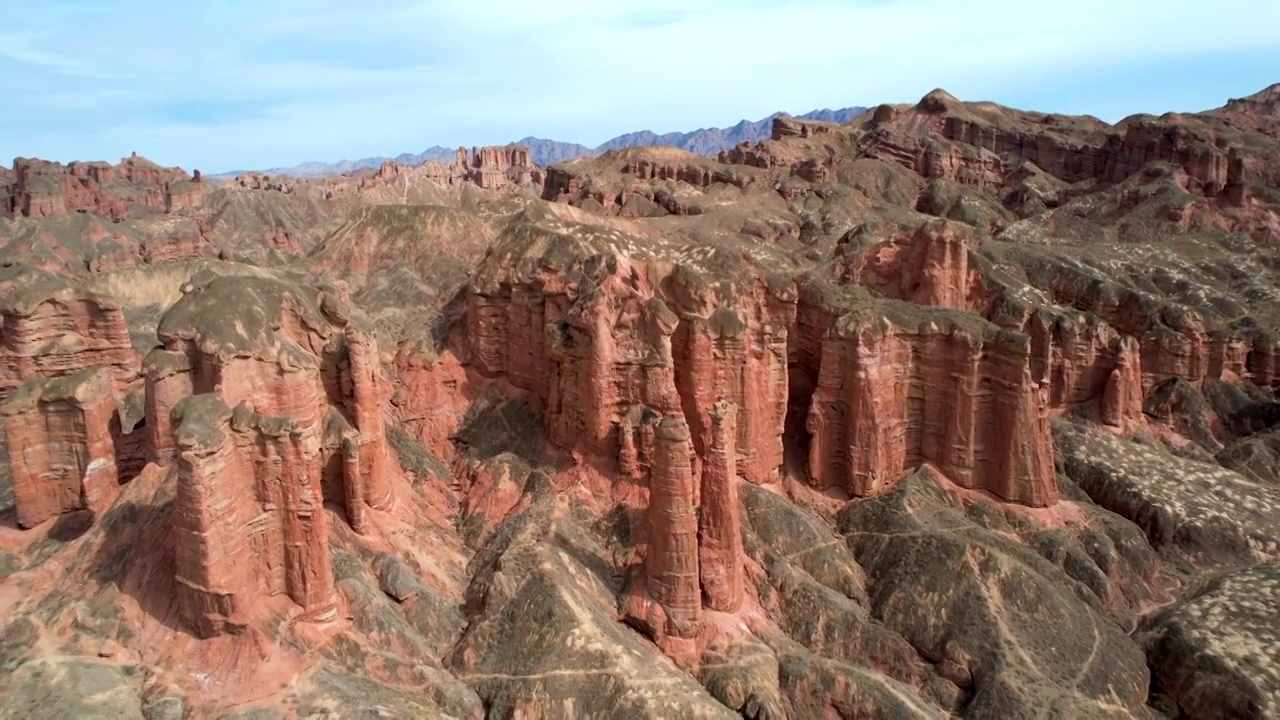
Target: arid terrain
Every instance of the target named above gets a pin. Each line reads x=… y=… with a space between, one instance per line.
x=952 y=410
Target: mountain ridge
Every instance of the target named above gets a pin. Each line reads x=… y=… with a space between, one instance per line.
x=544 y=151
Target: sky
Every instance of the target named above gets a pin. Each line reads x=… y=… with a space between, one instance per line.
x=224 y=85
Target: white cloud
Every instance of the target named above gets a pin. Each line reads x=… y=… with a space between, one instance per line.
x=320 y=80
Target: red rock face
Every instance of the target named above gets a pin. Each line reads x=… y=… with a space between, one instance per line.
x=60 y=446
x=431 y=398
x=889 y=398
x=367 y=395
x=248 y=518
x=52 y=327
x=671 y=562
x=44 y=189
x=307 y=426
x=929 y=267
x=719 y=522
x=1122 y=396
x=283 y=359
x=497 y=168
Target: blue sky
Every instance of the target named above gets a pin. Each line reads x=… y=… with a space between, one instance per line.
x=231 y=84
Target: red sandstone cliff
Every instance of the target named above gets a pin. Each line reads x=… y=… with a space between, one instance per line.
x=896 y=392
x=61 y=451
x=51 y=326
x=271 y=400
x=249 y=524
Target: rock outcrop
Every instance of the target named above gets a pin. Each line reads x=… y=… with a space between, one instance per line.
x=286 y=351
x=52 y=326
x=498 y=167
x=719 y=521
x=249 y=524
x=895 y=392
x=61 y=452
x=43 y=190
x=271 y=404
x=671 y=561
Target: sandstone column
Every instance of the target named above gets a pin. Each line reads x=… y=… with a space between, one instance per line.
x=367 y=411
x=308 y=572
x=720 y=535
x=671 y=564
x=213 y=564
x=1122 y=396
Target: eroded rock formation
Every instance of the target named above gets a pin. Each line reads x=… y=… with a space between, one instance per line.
x=61 y=452
x=249 y=523
x=719 y=522
x=52 y=326
x=894 y=392
x=43 y=189
x=270 y=408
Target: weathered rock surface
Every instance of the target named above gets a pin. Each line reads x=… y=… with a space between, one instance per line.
x=1215 y=652
x=271 y=407
x=51 y=326
x=1202 y=510
x=61 y=452
x=1030 y=638
x=72 y=687
x=249 y=523
x=43 y=190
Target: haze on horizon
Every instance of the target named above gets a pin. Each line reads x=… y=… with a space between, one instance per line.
x=256 y=84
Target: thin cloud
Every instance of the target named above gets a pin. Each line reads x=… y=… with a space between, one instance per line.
x=326 y=80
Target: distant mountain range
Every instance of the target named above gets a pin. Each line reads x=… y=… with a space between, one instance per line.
x=706 y=141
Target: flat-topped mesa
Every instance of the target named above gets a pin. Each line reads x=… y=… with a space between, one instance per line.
x=61 y=451
x=497 y=167
x=249 y=523
x=45 y=189
x=285 y=351
x=897 y=390
x=784 y=127
x=52 y=326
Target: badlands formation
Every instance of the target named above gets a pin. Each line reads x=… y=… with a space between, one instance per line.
x=953 y=410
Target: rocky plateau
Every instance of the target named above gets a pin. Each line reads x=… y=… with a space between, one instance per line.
x=953 y=410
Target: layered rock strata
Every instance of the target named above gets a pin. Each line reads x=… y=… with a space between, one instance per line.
x=268 y=396
x=671 y=562
x=248 y=522
x=51 y=326
x=42 y=189
x=61 y=452
x=285 y=351
x=719 y=521
x=611 y=347
x=894 y=393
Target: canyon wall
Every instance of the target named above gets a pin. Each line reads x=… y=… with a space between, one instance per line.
x=894 y=392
